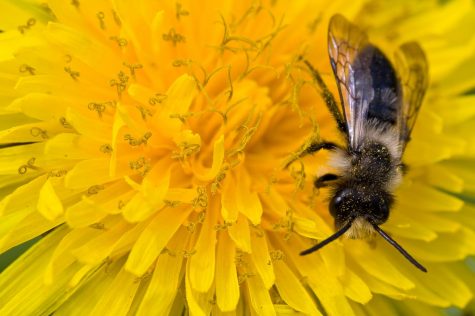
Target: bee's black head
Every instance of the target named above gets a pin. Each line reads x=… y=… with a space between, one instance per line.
x=356 y=201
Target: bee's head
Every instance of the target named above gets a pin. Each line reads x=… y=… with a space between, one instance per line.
x=371 y=204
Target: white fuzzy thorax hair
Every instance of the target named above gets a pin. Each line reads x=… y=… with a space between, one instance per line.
x=374 y=131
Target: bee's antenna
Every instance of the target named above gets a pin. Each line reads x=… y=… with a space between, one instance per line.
x=399 y=248
x=328 y=240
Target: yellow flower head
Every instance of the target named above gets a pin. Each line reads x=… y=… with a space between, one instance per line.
x=146 y=143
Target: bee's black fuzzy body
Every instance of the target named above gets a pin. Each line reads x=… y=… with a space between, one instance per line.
x=378 y=109
x=363 y=189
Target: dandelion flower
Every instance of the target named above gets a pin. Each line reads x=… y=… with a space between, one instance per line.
x=144 y=142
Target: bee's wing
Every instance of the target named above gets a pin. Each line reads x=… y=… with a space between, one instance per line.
x=412 y=68
x=352 y=73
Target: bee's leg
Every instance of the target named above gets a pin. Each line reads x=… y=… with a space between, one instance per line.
x=313 y=148
x=324 y=180
x=328 y=98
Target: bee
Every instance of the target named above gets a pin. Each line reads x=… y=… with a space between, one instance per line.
x=378 y=109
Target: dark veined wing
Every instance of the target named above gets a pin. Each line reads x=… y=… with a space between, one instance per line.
x=413 y=71
x=352 y=73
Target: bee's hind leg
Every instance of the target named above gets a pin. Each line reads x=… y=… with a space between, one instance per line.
x=325 y=180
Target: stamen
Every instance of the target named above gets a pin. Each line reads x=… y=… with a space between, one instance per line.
x=166 y=251
x=216 y=185
x=38 y=132
x=116 y=18
x=62 y=121
x=144 y=112
x=122 y=42
x=276 y=255
x=201 y=217
x=158 y=98
x=132 y=68
x=75 y=3
x=242 y=277
x=186 y=150
x=29 y=165
x=230 y=92
x=191 y=227
x=180 y=11
x=140 y=163
x=201 y=200
x=106 y=148
x=121 y=83
x=57 y=173
x=136 y=142
x=182 y=117
x=100 y=15
x=29 y=24
x=174 y=37
x=95 y=189
x=72 y=73
x=312 y=26
x=171 y=203
x=98 y=107
x=27 y=68
x=299 y=176
x=286 y=224
x=99 y=226
x=258 y=230
x=224 y=226
x=188 y=253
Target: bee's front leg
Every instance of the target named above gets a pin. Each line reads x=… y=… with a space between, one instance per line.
x=325 y=180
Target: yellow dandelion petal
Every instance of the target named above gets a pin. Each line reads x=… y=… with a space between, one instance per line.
x=49 y=204
x=291 y=290
x=114 y=291
x=240 y=233
x=227 y=287
x=164 y=283
x=202 y=261
x=149 y=244
x=262 y=260
x=259 y=297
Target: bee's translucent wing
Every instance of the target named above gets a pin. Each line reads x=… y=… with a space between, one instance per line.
x=352 y=73
x=412 y=68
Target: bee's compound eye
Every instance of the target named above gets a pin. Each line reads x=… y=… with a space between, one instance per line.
x=340 y=204
x=379 y=208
